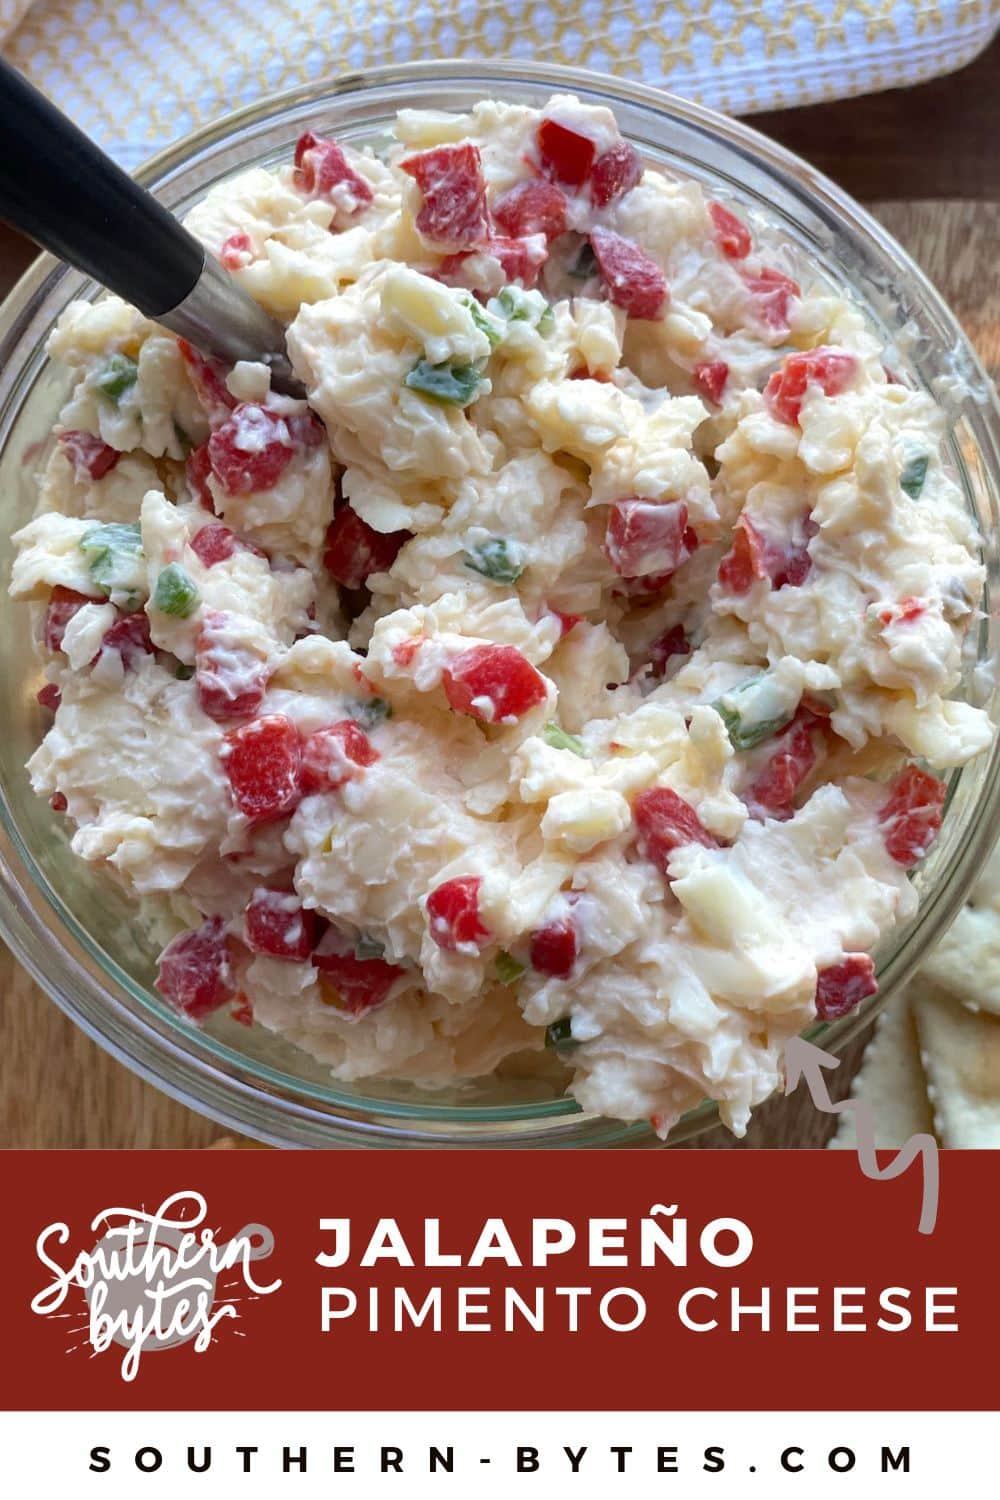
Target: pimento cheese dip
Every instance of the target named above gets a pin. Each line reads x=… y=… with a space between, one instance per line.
x=571 y=676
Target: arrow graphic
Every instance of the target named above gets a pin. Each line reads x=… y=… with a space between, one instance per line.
x=805 y=1061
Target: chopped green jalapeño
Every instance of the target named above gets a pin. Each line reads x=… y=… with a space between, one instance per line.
x=756 y=710
x=114 y=557
x=369 y=712
x=175 y=592
x=449 y=384
x=560 y=1034
x=912 y=478
x=118 y=376
x=561 y=739
x=507 y=968
x=495 y=558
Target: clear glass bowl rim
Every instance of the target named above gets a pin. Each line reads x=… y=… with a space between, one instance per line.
x=239 y=1098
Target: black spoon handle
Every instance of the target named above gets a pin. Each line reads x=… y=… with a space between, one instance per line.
x=60 y=189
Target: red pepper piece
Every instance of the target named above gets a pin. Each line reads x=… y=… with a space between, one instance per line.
x=554 y=948
x=90 y=456
x=355 y=550
x=632 y=279
x=492 y=683
x=263 y=761
x=450 y=178
x=911 y=815
x=830 y=369
x=666 y=822
x=731 y=234
x=843 y=986
x=279 y=925
x=196 y=972
x=333 y=755
x=453 y=914
x=532 y=207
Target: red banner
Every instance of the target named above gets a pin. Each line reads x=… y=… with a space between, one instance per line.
x=645 y=1283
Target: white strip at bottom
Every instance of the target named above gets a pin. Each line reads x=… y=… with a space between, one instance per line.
x=497 y=1454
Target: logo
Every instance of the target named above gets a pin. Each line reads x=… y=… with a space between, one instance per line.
x=154 y=1280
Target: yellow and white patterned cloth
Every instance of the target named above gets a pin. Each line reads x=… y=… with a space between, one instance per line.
x=137 y=74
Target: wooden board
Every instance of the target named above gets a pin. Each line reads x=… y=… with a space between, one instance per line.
x=57 y=1088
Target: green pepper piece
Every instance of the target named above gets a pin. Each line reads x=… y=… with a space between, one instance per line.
x=912 y=478
x=484 y=322
x=368 y=947
x=112 y=551
x=370 y=712
x=507 y=968
x=493 y=560
x=176 y=592
x=184 y=673
x=546 y=322
x=746 y=736
x=118 y=376
x=561 y=739
x=450 y=385
x=560 y=1034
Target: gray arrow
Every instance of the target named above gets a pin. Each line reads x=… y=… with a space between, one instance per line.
x=803 y=1060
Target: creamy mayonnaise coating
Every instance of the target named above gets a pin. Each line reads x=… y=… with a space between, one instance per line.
x=557 y=685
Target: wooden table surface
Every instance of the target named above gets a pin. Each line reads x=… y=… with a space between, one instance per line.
x=926 y=161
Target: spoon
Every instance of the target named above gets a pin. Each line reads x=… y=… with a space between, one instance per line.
x=58 y=188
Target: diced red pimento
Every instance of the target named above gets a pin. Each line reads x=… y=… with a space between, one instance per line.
x=731 y=234
x=63 y=605
x=197 y=468
x=615 y=172
x=49 y=697
x=911 y=815
x=279 y=925
x=493 y=683
x=214 y=544
x=333 y=755
x=196 y=971
x=404 y=651
x=710 y=379
x=554 y=948
x=58 y=802
x=90 y=456
x=450 y=178
x=772 y=793
x=130 y=637
x=842 y=987
x=263 y=761
x=453 y=914
x=646 y=537
x=903 y=612
x=566 y=622
x=632 y=279
x=565 y=154
x=754 y=555
x=532 y=207
x=830 y=369
x=770 y=295
x=208 y=376
x=355 y=550
x=672 y=643
x=323 y=171
x=666 y=822
x=353 y=985
x=236 y=251
x=242 y=1010
x=230 y=678
x=520 y=260
x=251 y=450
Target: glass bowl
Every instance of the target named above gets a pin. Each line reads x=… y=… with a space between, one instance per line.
x=80 y=938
